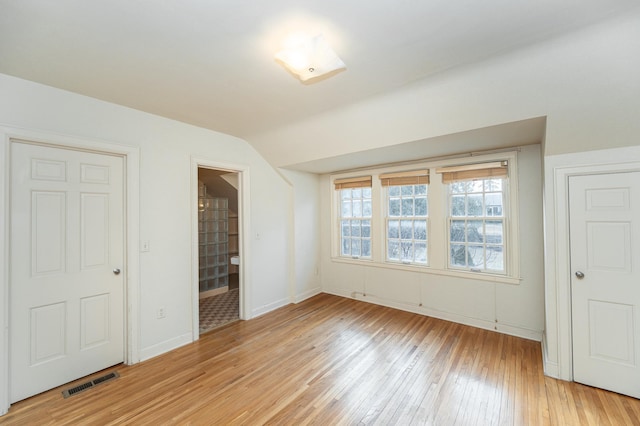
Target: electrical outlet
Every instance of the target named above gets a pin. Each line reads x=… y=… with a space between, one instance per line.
x=161 y=312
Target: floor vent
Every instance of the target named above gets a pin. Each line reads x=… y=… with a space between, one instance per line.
x=88 y=385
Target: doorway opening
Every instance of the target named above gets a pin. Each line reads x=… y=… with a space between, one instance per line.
x=218 y=248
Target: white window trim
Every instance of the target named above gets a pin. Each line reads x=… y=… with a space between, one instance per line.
x=437 y=224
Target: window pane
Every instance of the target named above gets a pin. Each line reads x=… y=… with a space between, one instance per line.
x=346 y=246
x=393 y=250
x=366 y=192
x=420 y=252
x=394 y=229
x=406 y=229
x=345 y=193
x=355 y=247
x=457 y=230
x=494 y=211
x=355 y=228
x=495 y=258
x=458 y=187
x=346 y=228
x=406 y=190
x=476 y=256
x=407 y=206
x=493 y=185
x=394 y=191
x=421 y=206
x=357 y=208
x=346 y=208
x=366 y=208
x=493 y=232
x=420 y=189
x=474 y=231
x=457 y=205
x=366 y=228
x=474 y=205
x=356 y=193
x=458 y=255
x=420 y=230
x=493 y=204
x=475 y=186
x=394 y=207
x=406 y=250
x=366 y=248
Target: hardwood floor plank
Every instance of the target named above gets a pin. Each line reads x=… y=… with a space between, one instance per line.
x=332 y=361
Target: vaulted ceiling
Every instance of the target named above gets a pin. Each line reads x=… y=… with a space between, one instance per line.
x=211 y=62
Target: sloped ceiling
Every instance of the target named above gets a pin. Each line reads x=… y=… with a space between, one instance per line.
x=211 y=63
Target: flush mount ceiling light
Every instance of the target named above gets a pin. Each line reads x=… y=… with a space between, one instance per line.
x=310 y=57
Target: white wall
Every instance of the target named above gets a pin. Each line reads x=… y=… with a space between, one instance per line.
x=166 y=148
x=586 y=83
x=306 y=197
x=516 y=309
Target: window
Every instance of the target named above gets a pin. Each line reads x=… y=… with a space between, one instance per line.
x=445 y=217
x=476 y=219
x=406 y=216
x=355 y=216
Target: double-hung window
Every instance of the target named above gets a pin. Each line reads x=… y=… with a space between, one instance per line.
x=476 y=216
x=406 y=216
x=354 y=216
x=447 y=217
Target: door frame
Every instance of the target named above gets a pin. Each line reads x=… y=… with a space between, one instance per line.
x=131 y=157
x=557 y=339
x=244 y=226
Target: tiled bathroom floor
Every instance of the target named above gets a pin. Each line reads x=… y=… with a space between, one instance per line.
x=219 y=310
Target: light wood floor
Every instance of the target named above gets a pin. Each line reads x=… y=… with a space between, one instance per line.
x=331 y=360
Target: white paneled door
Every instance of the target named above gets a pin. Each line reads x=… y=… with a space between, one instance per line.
x=67 y=254
x=605 y=282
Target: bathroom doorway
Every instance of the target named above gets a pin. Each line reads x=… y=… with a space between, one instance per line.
x=218 y=248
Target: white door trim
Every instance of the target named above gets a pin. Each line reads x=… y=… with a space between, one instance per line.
x=244 y=224
x=131 y=157
x=558 y=169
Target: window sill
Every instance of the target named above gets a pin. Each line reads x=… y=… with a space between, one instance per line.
x=480 y=276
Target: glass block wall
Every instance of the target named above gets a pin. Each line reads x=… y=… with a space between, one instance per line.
x=213 y=239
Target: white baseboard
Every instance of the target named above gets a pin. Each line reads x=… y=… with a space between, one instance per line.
x=307 y=294
x=514 y=330
x=166 y=346
x=447 y=316
x=270 y=307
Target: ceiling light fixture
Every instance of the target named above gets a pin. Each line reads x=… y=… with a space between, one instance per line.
x=310 y=57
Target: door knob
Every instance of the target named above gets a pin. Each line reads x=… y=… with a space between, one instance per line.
x=579 y=275
x=116 y=271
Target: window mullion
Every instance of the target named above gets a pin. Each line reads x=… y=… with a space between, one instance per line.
x=377 y=225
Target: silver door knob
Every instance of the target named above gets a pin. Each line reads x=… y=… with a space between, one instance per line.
x=116 y=271
x=579 y=275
